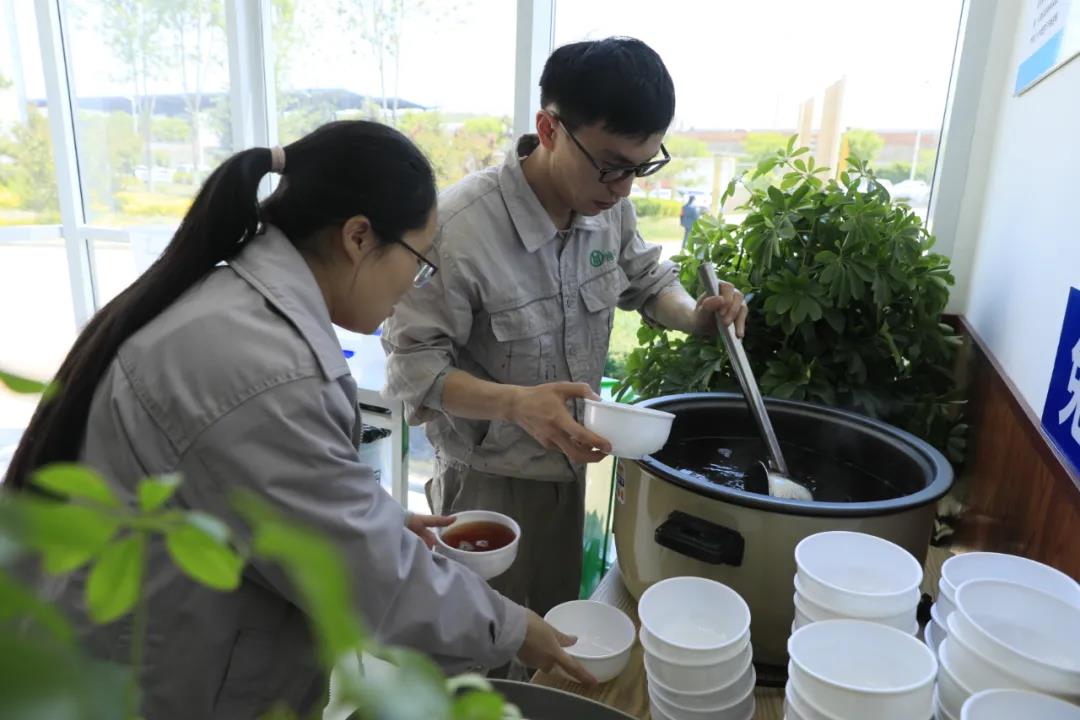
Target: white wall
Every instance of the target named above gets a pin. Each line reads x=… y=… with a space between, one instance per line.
x=1017 y=242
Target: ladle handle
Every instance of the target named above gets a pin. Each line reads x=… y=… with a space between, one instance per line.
x=741 y=365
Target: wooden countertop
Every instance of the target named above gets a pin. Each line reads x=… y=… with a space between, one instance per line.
x=628 y=692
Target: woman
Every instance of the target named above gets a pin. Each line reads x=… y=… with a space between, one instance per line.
x=231 y=375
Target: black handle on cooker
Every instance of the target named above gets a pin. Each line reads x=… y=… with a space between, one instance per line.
x=701 y=540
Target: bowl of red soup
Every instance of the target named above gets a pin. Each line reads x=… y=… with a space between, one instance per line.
x=484 y=541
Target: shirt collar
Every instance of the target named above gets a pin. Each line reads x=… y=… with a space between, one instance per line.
x=530 y=219
x=274 y=267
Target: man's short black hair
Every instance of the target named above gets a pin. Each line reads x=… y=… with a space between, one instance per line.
x=619 y=82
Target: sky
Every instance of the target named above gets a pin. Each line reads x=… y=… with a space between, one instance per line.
x=735 y=64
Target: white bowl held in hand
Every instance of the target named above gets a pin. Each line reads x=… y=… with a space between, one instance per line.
x=485 y=563
x=604 y=634
x=857 y=575
x=694 y=620
x=1017 y=704
x=858 y=669
x=633 y=432
x=959 y=569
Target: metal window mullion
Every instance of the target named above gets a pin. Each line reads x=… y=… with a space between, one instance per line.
x=58 y=92
x=535 y=41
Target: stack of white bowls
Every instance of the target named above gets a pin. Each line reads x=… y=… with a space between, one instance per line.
x=1017 y=705
x=849 y=575
x=1002 y=635
x=959 y=569
x=698 y=658
x=858 y=670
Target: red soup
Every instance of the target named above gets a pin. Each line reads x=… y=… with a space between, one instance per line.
x=478 y=536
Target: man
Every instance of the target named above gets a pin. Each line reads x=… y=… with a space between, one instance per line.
x=498 y=350
x=688 y=215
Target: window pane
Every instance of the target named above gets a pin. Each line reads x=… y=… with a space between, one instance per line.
x=742 y=99
x=440 y=72
x=37 y=321
x=27 y=175
x=764 y=60
x=152 y=105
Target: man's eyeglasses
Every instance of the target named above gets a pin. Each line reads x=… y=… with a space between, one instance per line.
x=611 y=175
x=427 y=269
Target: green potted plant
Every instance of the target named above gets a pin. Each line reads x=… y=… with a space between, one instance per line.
x=845 y=302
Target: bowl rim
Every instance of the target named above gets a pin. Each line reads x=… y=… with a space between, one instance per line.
x=918 y=451
x=1043 y=697
x=801 y=593
x=801 y=568
x=947 y=585
x=744 y=666
x=946 y=663
x=693 y=579
x=624 y=619
x=1073 y=669
x=732 y=704
x=630 y=409
x=957 y=634
x=504 y=520
x=821 y=626
x=643 y=632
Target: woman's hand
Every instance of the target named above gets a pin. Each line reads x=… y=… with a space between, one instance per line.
x=420 y=526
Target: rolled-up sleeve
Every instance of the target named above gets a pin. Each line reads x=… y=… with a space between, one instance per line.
x=290 y=445
x=641 y=262
x=422 y=338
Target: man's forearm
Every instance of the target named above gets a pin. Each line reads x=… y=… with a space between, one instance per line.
x=469 y=397
x=673 y=308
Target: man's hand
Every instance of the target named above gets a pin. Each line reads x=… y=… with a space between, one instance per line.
x=542 y=412
x=420 y=525
x=729 y=306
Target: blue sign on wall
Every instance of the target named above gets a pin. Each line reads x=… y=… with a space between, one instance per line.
x=1061 y=414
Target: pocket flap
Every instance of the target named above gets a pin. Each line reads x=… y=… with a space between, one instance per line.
x=535 y=318
x=603 y=292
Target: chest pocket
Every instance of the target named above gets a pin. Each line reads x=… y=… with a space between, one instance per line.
x=600 y=295
x=524 y=346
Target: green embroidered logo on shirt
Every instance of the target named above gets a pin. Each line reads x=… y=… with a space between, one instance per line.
x=599 y=257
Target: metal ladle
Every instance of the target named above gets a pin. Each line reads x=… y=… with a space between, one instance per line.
x=779 y=478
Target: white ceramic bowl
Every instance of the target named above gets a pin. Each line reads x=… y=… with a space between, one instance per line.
x=694 y=620
x=939 y=617
x=1035 y=635
x=633 y=432
x=1012 y=568
x=946 y=596
x=741 y=709
x=487 y=563
x=931 y=636
x=721 y=697
x=858 y=669
x=797 y=707
x=857 y=575
x=951 y=690
x=905 y=621
x=695 y=678
x=979 y=672
x=1016 y=704
x=605 y=635
x=940 y=713
x=800 y=621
